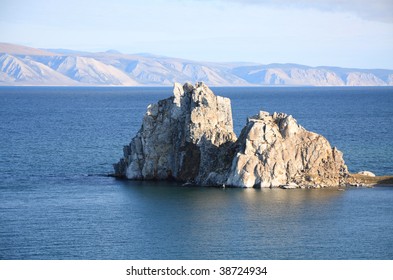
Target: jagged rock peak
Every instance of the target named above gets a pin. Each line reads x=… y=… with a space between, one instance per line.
x=179 y=136
x=189 y=137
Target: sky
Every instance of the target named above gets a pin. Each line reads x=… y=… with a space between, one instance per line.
x=344 y=33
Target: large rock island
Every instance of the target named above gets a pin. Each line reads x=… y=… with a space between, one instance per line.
x=189 y=138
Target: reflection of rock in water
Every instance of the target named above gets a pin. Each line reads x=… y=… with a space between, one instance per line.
x=283 y=200
x=189 y=137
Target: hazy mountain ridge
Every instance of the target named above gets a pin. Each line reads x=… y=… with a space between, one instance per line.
x=21 y=65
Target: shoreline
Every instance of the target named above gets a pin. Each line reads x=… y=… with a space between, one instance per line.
x=359 y=179
x=353 y=180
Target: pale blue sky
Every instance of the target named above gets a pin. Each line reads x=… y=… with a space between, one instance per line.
x=346 y=33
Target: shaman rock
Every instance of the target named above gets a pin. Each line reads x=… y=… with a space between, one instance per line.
x=180 y=137
x=189 y=137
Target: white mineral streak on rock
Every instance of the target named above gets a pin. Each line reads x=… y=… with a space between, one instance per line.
x=189 y=137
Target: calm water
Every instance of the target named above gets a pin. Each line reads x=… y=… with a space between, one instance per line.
x=57 y=143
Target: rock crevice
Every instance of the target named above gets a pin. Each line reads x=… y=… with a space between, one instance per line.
x=189 y=137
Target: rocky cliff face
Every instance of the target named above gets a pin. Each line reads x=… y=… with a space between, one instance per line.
x=180 y=137
x=273 y=150
x=189 y=137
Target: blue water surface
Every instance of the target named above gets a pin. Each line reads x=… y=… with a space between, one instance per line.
x=58 y=143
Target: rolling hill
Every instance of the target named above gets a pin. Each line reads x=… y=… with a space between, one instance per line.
x=20 y=65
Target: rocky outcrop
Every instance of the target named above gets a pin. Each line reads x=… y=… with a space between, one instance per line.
x=182 y=137
x=275 y=151
x=189 y=137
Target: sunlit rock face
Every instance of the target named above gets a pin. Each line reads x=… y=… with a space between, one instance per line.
x=273 y=150
x=189 y=137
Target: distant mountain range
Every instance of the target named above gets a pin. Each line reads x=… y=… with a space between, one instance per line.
x=20 y=65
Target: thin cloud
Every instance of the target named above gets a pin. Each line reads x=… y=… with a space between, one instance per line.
x=376 y=10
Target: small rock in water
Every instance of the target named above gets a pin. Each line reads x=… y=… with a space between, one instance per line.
x=290 y=186
x=366 y=173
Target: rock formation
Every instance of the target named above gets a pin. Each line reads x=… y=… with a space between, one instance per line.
x=273 y=150
x=180 y=137
x=189 y=137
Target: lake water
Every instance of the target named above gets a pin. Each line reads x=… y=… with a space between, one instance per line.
x=57 y=144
